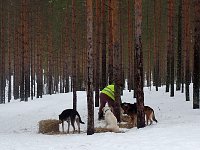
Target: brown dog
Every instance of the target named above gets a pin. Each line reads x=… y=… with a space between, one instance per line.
x=131 y=110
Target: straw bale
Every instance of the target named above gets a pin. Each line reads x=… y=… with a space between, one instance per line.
x=126 y=125
x=50 y=126
x=125 y=118
x=102 y=130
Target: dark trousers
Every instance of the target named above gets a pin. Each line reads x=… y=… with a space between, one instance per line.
x=103 y=100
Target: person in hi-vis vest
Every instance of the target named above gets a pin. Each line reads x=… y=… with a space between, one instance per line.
x=107 y=95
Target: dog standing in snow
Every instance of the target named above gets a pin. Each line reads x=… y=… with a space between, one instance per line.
x=111 y=120
x=70 y=115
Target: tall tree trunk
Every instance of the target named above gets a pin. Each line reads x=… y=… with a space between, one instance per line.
x=103 y=46
x=121 y=50
x=139 y=64
x=90 y=101
x=170 y=48
x=110 y=46
x=22 y=32
x=98 y=10
x=25 y=43
x=50 y=53
x=66 y=67
x=148 y=74
x=9 y=51
x=156 y=57
x=179 y=53
x=130 y=49
x=74 y=55
x=116 y=49
x=196 y=72
x=32 y=56
x=187 y=50
x=16 y=58
x=2 y=53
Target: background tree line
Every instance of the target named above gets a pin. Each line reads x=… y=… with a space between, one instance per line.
x=43 y=46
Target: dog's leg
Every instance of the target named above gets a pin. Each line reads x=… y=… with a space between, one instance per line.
x=78 y=124
x=63 y=126
x=150 y=118
x=72 y=123
x=147 y=119
x=68 y=121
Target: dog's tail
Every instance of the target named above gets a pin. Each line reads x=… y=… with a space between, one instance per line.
x=80 y=118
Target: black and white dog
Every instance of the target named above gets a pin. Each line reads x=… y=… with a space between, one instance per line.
x=70 y=115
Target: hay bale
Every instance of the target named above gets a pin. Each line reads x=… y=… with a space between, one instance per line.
x=50 y=126
x=102 y=130
x=126 y=125
x=125 y=118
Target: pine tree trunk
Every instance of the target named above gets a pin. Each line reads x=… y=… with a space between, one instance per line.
x=110 y=46
x=50 y=53
x=187 y=50
x=22 y=21
x=16 y=58
x=2 y=54
x=171 y=9
x=26 y=51
x=179 y=53
x=90 y=101
x=116 y=49
x=103 y=46
x=130 y=50
x=196 y=73
x=148 y=74
x=155 y=69
x=170 y=48
x=139 y=64
x=66 y=68
x=74 y=55
x=9 y=52
x=97 y=63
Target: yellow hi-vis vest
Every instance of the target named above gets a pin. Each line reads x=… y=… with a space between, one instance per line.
x=109 y=90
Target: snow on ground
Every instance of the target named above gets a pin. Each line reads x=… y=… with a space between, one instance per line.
x=178 y=125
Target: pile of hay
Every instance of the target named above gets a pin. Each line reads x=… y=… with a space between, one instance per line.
x=103 y=130
x=125 y=118
x=126 y=125
x=50 y=126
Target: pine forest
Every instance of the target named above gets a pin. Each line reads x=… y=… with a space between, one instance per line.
x=60 y=46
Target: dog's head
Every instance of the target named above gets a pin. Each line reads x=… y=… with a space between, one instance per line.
x=129 y=108
x=60 y=120
x=125 y=107
x=106 y=109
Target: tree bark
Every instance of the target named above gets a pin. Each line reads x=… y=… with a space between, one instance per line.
x=90 y=101
x=179 y=53
x=187 y=50
x=74 y=55
x=116 y=63
x=196 y=73
x=97 y=61
x=139 y=64
x=103 y=46
x=110 y=46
